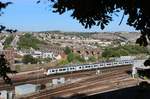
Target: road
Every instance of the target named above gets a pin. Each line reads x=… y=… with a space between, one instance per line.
x=14 y=42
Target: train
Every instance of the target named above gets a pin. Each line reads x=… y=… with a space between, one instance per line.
x=83 y=67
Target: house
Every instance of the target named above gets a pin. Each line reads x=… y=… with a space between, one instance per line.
x=48 y=55
x=36 y=54
x=58 y=57
x=87 y=51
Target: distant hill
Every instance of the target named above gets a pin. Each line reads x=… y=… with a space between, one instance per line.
x=124 y=36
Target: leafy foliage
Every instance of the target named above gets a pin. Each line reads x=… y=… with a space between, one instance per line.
x=8 y=41
x=92 y=59
x=27 y=41
x=3 y=6
x=99 y=12
x=70 y=57
x=67 y=50
x=29 y=59
x=3 y=28
x=79 y=58
x=124 y=50
x=63 y=62
x=147 y=62
x=4 y=69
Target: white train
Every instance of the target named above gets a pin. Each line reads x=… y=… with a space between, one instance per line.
x=83 y=67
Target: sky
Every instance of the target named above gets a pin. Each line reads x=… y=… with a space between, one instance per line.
x=26 y=15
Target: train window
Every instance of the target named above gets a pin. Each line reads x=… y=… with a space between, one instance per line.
x=95 y=65
x=101 y=64
x=60 y=69
x=80 y=67
x=72 y=68
x=53 y=70
x=64 y=69
x=108 y=64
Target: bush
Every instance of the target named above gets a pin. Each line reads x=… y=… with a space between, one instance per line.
x=92 y=59
x=67 y=50
x=63 y=62
x=8 y=41
x=124 y=51
x=28 y=41
x=29 y=59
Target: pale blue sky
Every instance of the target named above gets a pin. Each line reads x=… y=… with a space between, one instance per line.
x=26 y=15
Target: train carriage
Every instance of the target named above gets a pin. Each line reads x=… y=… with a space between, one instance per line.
x=95 y=66
x=51 y=71
x=72 y=68
x=115 y=63
x=83 y=67
x=109 y=64
x=79 y=67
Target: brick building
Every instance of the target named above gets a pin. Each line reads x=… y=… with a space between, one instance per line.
x=87 y=51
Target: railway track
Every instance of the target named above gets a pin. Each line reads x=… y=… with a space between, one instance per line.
x=90 y=81
x=40 y=79
x=90 y=88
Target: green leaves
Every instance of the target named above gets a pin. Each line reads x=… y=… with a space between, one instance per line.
x=4 y=69
x=124 y=51
x=70 y=57
x=67 y=50
x=29 y=59
x=99 y=12
x=147 y=62
x=8 y=41
x=27 y=41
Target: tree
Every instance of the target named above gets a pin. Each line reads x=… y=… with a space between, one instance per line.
x=79 y=58
x=8 y=41
x=28 y=41
x=67 y=50
x=147 y=62
x=3 y=28
x=4 y=69
x=92 y=59
x=63 y=62
x=29 y=59
x=70 y=57
x=124 y=51
x=99 y=12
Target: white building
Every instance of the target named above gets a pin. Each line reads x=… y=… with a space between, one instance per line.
x=36 y=54
x=6 y=94
x=21 y=53
x=25 y=89
x=58 y=57
x=48 y=55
